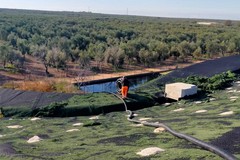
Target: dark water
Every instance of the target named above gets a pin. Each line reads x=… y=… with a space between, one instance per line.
x=111 y=86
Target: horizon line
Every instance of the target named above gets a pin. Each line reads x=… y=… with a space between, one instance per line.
x=120 y=14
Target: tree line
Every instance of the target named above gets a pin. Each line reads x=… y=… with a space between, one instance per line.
x=58 y=37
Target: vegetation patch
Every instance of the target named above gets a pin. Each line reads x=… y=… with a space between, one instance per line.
x=43 y=86
x=20 y=111
x=126 y=140
x=91 y=123
x=216 y=82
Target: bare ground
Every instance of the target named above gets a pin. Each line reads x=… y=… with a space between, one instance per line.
x=35 y=70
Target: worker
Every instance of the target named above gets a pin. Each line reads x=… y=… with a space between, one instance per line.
x=123 y=84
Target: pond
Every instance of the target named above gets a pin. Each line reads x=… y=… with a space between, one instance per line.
x=111 y=85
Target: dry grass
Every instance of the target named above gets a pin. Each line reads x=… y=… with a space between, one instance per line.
x=43 y=86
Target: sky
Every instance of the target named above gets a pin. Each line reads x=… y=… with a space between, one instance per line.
x=207 y=9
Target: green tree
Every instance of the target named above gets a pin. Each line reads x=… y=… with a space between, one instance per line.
x=9 y=55
x=131 y=49
x=41 y=52
x=223 y=48
x=38 y=40
x=12 y=38
x=80 y=42
x=97 y=52
x=17 y=59
x=4 y=54
x=56 y=58
x=23 y=46
x=3 y=34
x=146 y=57
x=84 y=60
x=231 y=47
x=213 y=48
x=185 y=50
x=197 y=53
x=115 y=56
x=162 y=51
x=236 y=41
x=65 y=46
x=174 y=52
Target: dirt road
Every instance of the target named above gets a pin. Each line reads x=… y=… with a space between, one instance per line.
x=35 y=71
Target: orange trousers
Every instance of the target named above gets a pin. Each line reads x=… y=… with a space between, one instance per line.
x=124 y=91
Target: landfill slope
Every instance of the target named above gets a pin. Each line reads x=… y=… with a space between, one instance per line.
x=207 y=68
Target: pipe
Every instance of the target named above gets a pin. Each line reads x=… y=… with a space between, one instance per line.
x=204 y=145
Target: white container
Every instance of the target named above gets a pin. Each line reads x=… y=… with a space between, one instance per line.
x=179 y=90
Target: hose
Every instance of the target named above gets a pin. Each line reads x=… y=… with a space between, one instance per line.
x=204 y=145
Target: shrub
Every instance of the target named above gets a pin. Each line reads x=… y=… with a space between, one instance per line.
x=54 y=109
x=218 y=81
x=64 y=87
x=9 y=85
x=42 y=86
